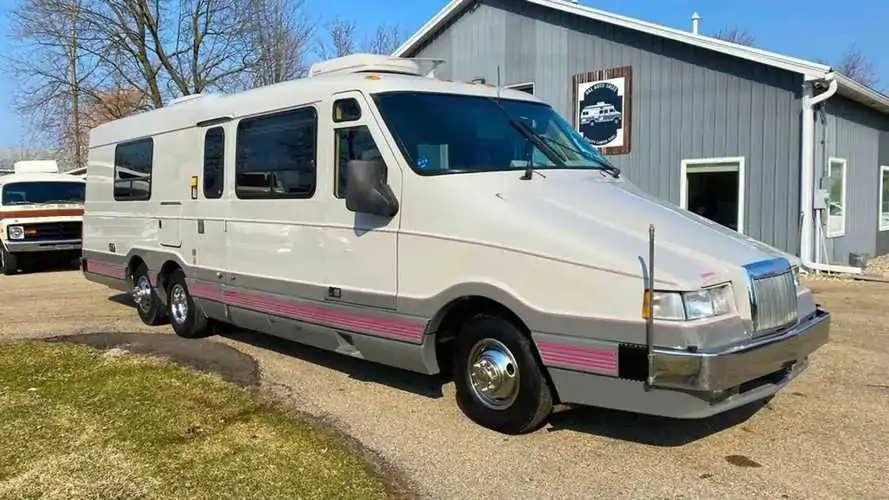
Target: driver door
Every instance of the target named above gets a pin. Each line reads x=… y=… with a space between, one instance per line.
x=360 y=249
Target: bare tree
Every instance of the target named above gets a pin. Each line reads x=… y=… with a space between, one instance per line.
x=340 y=39
x=857 y=66
x=385 y=40
x=735 y=35
x=279 y=33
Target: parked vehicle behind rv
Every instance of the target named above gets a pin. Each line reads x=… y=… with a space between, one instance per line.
x=41 y=214
x=435 y=226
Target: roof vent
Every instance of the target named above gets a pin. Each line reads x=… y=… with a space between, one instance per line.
x=36 y=167
x=186 y=98
x=360 y=63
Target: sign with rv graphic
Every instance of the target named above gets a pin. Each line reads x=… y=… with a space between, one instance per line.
x=602 y=109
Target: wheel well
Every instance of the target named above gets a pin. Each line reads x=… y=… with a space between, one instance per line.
x=135 y=262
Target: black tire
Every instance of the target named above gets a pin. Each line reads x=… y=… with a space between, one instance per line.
x=188 y=322
x=150 y=310
x=8 y=262
x=533 y=401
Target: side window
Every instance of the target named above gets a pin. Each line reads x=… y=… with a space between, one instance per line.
x=275 y=155
x=214 y=163
x=132 y=170
x=346 y=110
x=353 y=143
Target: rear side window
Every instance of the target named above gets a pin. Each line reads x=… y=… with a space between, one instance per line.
x=133 y=163
x=276 y=155
x=214 y=163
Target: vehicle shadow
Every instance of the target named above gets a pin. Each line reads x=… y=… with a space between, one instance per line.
x=649 y=429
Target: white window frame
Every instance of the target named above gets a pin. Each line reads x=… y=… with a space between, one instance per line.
x=843 y=197
x=704 y=165
x=883 y=227
x=517 y=86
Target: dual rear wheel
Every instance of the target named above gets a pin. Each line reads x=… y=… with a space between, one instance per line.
x=180 y=311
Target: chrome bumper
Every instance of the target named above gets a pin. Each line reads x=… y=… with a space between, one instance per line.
x=42 y=246
x=726 y=369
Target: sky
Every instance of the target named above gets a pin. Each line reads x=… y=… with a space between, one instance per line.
x=808 y=29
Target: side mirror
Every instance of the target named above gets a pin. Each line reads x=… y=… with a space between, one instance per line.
x=367 y=190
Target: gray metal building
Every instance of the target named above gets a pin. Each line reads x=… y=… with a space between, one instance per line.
x=784 y=150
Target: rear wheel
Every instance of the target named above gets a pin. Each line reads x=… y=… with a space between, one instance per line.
x=187 y=321
x=8 y=262
x=145 y=296
x=500 y=385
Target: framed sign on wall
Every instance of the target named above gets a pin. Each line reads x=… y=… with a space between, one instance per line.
x=603 y=108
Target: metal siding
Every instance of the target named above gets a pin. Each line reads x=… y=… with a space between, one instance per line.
x=851 y=131
x=687 y=102
x=882 y=243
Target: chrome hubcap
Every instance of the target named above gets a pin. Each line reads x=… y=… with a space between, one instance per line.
x=493 y=374
x=142 y=293
x=178 y=304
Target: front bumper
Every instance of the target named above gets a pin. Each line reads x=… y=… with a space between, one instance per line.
x=726 y=369
x=42 y=246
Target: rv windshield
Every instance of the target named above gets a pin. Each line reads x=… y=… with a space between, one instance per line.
x=449 y=133
x=24 y=193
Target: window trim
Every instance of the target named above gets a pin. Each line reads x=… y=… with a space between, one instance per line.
x=844 y=197
x=699 y=165
x=296 y=196
x=204 y=164
x=882 y=227
x=518 y=86
x=114 y=180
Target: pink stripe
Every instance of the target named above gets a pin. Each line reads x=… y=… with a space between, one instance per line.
x=584 y=358
x=576 y=350
x=105 y=269
x=316 y=314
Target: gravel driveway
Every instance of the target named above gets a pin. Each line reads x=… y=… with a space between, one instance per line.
x=823 y=437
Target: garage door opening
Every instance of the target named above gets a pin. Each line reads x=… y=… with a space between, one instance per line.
x=714 y=188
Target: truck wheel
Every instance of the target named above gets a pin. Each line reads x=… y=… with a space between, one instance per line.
x=145 y=296
x=8 y=263
x=499 y=383
x=187 y=320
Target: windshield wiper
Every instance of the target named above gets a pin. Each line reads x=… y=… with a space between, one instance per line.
x=534 y=139
x=47 y=202
x=614 y=171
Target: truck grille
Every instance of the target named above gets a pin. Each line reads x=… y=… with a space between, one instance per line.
x=52 y=231
x=773 y=302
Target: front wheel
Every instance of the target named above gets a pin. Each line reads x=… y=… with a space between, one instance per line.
x=8 y=262
x=500 y=385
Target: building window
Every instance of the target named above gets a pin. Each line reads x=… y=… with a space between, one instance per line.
x=524 y=87
x=214 y=163
x=836 y=197
x=275 y=155
x=132 y=170
x=884 y=198
x=353 y=143
x=714 y=189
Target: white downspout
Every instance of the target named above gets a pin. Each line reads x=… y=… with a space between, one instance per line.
x=807 y=178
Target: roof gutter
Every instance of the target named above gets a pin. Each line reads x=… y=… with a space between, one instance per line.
x=807 y=177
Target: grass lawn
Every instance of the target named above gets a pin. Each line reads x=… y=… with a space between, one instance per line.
x=76 y=423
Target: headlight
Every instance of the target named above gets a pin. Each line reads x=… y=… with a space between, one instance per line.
x=15 y=232
x=680 y=306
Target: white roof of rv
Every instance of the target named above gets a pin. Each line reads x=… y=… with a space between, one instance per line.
x=355 y=63
x=35 y=167
x=280 y=97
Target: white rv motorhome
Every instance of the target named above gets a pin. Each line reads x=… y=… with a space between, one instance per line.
x=378 y=212
x=41 y=214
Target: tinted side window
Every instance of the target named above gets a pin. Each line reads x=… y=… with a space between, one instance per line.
x=275 y=155
x=132 y=170
x=346 y=110
x=214 y=162
x=353 y=143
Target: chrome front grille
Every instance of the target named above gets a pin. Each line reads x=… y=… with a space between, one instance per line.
x=773 y=299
